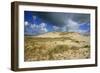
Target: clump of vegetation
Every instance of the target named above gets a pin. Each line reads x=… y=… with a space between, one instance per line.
x=87 y=46
x=77 y=41
x=59 y=49
x=74 y=47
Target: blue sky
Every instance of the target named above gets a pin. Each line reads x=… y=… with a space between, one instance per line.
x=36 y=23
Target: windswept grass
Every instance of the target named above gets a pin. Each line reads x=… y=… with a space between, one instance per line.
x=37 y=49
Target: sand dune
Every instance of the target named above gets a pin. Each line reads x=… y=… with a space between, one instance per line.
x=57 y=46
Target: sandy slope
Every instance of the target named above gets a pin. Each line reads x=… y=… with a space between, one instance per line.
x=71 y=35
x=58 y=45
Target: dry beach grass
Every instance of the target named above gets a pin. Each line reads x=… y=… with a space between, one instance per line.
x=56 y=46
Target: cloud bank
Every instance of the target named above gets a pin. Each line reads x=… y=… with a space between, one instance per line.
x=33 y=29
x=41 y=22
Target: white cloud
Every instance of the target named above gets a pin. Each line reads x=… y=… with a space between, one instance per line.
x=64 y=28
x=75 y=27
x=33 y=26
x=26 y=23
x=56 y=28
x=72 y=26
x=42 y=25
x=85 y=24
x=41 y=28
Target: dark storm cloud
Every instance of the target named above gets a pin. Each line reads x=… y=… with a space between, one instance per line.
x=61 y=19
x=54 y=18
x=81 y=18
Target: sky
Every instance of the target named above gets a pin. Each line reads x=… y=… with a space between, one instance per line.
x=36 y=23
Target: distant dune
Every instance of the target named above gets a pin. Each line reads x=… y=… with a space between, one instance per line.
x=57 y=34
x=73 y=35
